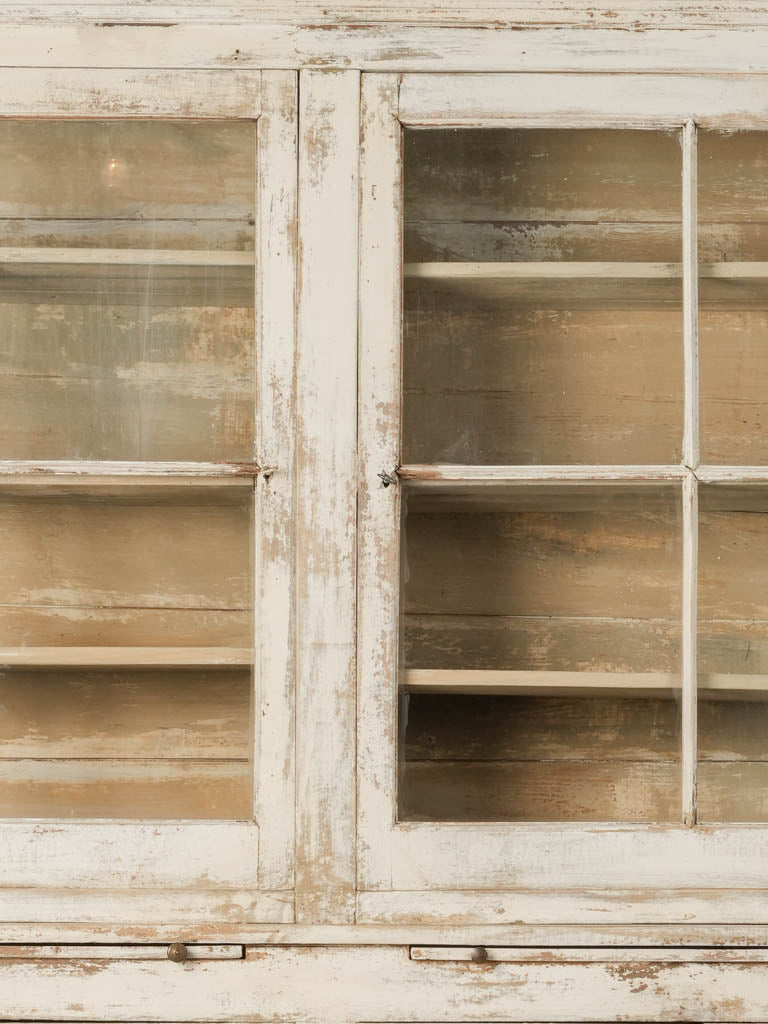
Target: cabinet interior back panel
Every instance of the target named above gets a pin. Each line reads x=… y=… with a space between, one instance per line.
x=577 y=358
x=127 y=290
x=126 y=570
x=547 y=592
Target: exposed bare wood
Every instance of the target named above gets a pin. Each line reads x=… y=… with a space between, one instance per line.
x=147 y=657
x=162 y=789
x=150 y=257
x=540 y=791
x=69 y=712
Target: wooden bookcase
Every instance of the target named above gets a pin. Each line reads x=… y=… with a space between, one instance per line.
x=383 y=492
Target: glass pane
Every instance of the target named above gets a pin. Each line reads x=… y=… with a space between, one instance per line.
x=145 y=351
x=540 y=674
x=126 y=629
x=733 y=297
x=733 y=653
x=542 y=319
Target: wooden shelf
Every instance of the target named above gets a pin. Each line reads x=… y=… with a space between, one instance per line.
x=130 y=657
x=574 y=684
x=593 y=284
x=129 y=257
x=31 y=474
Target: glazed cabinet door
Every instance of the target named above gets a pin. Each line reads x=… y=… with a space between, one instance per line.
x=146 y=465
x=545 y=500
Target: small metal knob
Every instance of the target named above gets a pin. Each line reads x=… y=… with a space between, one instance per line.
x=177 y=952
x=479 y=955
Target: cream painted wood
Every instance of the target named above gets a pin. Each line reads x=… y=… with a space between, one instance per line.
x=164 y=870
x=326 y=500
x=143 y=952
x=273 y=706
x=103 y=41
x=378 y=452
x=338 y=984
x=76 y=92
x=436 y=856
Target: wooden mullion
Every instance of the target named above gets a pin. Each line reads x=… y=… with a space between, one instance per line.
x=689 y=757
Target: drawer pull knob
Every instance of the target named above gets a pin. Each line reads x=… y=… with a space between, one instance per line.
x=177 y=952
x=479 y=955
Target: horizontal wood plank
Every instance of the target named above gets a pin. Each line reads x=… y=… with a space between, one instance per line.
x=137 y=657
x=71 y=713
x=163 y=788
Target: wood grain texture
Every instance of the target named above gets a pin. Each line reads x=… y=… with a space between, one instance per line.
x=326 y=496
x=631 y=791
x=70 y=713
x=541 y=386
x=165 y=788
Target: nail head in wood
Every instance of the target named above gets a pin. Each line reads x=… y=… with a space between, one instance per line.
x=177 y=952
x=479 y=955
x=386 y=478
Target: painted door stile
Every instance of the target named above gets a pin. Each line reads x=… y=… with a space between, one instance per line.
x=326 y=468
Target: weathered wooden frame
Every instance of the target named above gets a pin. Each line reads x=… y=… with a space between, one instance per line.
x=499 y=870
x=148 y=872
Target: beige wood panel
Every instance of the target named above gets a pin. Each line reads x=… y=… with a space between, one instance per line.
x=124 y=170
x=532 y=643
x=470 y=728
x=732 y=176
x=541 y=791
x=548 y=386
x=734 y=383
x=494 y=240
x=201 y=233
x=109 y=286
x=190 y=552
x=733 y=540
x=733 y=791
x=113 y=627
x=128 y=382
x=466 y=728
x=76 y=713
x=541 y=175
x=108 y=788
x=621 y=557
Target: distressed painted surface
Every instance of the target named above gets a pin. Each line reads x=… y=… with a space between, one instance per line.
x=326 y=462
x=384 y=984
